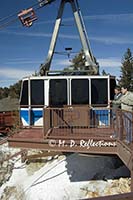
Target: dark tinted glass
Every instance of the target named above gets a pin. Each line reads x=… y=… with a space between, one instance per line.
x=37 y=92
x=112 y=86
x=80 y=91
x=58 y=92
x=99 y=91
x=24 y=97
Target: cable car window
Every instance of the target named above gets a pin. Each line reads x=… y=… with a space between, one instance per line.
x=24 y=93
x=37 y=92
x=112 y=86
x=80 y=91
x=58 y=92
x=99 y=91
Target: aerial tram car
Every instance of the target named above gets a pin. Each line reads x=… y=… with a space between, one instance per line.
x=57 y=105
x=27 y=17
x=58 y=91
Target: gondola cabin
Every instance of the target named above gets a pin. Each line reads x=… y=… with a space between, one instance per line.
x=27 y=17
x=38 y=93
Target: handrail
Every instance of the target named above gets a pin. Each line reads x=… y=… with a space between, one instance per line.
x=124 y=128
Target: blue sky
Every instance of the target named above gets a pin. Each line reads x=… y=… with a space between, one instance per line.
x=109 y=25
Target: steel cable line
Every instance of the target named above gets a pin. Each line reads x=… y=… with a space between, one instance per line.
x=9 y=16
x=12 y=15
x=8 y=23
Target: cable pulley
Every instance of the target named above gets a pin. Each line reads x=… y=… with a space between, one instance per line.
x=44 y=2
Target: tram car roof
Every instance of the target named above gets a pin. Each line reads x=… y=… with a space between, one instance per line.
x=56 y=76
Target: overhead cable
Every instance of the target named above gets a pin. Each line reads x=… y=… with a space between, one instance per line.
x=9 y=22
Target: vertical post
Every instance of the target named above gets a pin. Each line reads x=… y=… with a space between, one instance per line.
x=44 y=112
x=46 y=122
x=120 y=125
x=131 y=170
x=132 y=179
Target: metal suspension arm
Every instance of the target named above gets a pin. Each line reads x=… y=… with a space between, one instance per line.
x=46 y=66
x=90 y=61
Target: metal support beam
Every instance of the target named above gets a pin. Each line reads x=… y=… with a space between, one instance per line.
x=83 y=36
x=46 y=66
x=90 y=61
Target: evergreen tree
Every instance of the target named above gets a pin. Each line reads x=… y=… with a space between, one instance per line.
x=4 y=92
x=127 y=70
x=78 y=63
x=13 y=91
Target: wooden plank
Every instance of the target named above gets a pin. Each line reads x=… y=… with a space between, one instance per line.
x=62 y=146
x=124 y=153
x=126 y=196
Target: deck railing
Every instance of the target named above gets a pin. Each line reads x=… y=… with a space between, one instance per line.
x=77 y=119
x=124 y=126
x=7 y=120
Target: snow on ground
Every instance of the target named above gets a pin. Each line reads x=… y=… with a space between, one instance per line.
x=50 y=182
x=63 y=178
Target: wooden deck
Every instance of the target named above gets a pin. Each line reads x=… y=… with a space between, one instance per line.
x=65 y=133
x=35 y=134
x=84 y=133
x=65 y=141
